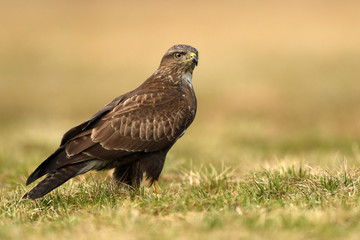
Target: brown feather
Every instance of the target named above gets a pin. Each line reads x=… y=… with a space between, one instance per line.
x=54 y=180
x=78 y=145
x=134 y=131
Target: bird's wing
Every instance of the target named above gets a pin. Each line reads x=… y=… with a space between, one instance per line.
x=144 y=122
x=85 y=125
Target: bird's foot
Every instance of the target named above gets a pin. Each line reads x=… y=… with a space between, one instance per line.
x=156 y=187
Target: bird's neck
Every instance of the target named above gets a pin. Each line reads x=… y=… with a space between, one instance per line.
x=186 y=78
x=173 y=76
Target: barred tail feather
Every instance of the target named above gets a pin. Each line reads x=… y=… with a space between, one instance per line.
x=55 y=179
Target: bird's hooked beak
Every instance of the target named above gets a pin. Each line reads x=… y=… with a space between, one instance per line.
x=194 y=58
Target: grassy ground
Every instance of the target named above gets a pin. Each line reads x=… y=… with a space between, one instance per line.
x=296 y=201
x=274 y=150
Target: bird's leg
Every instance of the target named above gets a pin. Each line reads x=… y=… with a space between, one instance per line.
x=156 y=187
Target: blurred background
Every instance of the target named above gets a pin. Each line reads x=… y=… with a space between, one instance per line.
x=277 y=81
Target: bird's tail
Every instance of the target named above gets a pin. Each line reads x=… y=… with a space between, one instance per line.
x=55 y=179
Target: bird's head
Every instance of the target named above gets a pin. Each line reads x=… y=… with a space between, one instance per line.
x=181 y=58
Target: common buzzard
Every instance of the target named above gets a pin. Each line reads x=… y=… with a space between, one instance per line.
x=131 y=134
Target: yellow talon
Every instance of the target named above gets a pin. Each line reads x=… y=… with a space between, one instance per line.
x=156 y=187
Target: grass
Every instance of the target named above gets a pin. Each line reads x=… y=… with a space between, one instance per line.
x=295 y=201
x=272 y=154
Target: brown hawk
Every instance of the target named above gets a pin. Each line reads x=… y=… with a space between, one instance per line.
x=131 y=134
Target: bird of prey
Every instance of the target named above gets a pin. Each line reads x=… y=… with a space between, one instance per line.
x=132 y=134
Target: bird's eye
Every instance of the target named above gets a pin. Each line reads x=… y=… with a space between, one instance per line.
x=178 y=55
